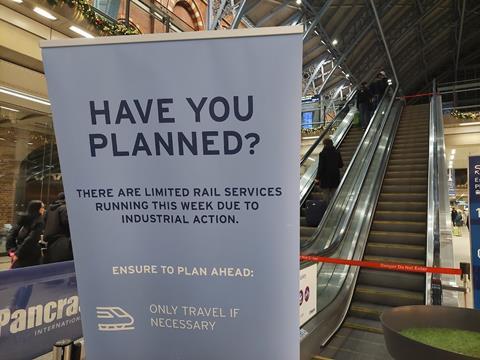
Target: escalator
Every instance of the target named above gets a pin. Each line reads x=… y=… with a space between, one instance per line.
x=347 y=149
x=397 y=234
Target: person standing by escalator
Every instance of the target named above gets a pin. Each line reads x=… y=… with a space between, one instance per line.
x=363 y=105
x=22 y=240
x=57 y=232
x=329 y=165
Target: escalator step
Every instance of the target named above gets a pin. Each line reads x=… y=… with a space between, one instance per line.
x=410 y=152
x=401 y=206
x=408 y=130
x=417 y=137
x=407 y=161
x=395 y=250
x=409 y=140
x=391 y=215
x=367 y=310
x=363 y=324
x=350 y=344
x=396 y=156
x=413 y=149
x=307 y=230
x=405 y=189
x=404 y=181
x=303 y=221
x=396 y=260
x=387 y=296
x=304 y=239
x=398 y=237
x=403 y=197
x=383 y=278
x=410 y=226
x=409 y=167
x=407 y=174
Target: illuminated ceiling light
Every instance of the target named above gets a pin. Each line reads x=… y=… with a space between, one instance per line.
x=299 y=2
x=334 y=42
x=9 y=109
x=452 y=157
x=24 y=96
x=450 y=164
x=347 y=76
x=18 y=1
x=44 y=13
x=471 y=123
x=81 y=32
x=389 y=82
x=454 y=151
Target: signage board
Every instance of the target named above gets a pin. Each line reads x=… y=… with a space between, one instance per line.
x=179 y=156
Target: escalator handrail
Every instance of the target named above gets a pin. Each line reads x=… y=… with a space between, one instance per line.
x=330 y=317
x=438 y=219
x=328 y=128
x=331 y=245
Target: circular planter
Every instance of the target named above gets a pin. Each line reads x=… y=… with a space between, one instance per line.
x=421 y=316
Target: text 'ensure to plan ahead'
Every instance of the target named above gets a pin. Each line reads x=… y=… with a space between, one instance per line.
x=124 y=270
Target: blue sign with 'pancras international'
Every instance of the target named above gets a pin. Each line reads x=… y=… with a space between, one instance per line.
x=38 y=306
x=474 y=219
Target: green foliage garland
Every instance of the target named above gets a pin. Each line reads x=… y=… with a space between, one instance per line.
x=465 y=115
x=101 y=24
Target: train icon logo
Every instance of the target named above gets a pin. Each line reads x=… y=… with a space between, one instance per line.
x=114 y=318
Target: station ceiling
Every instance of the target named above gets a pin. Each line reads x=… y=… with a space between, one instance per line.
x=426 y=38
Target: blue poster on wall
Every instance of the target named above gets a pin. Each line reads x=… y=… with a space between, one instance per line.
x=474 y=208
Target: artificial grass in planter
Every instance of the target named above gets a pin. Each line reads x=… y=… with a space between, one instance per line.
x=454 y=340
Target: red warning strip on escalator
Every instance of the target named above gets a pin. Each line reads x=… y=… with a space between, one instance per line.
x=416 y=95
x=383 y=266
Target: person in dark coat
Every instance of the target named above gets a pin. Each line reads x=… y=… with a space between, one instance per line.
x=454 y=216
x=363 y=105
x=22 y=240
x=329 y=165
x=378 y=87
x=57 y=232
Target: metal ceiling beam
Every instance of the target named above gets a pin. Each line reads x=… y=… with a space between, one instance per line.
x=329 y=76
x=292 y=20
x=443 y=31
x=317 y=59
x=364 y=31
x=384 y=42
x=316 y=20
x=443 y=58
x=273 y=13
x=313 y=77
x=335 y=53
x=459 y=40
x=334 y=84
x=219 y=14
x=243 y=10
x=421 y=38
x=404 y=31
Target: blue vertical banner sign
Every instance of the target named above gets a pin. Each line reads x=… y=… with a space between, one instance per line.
x=474 y=219
x=181 y=180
